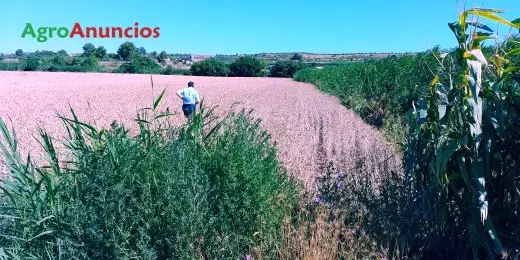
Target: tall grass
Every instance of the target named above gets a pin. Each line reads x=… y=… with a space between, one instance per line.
x=381 y=91
x=211 y=189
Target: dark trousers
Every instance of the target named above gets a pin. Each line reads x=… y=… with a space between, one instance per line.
x=188 y=110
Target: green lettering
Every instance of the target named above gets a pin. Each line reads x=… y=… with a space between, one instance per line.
x=28 y=30
x=63 y=32
x=41 y=34
x=51 y=29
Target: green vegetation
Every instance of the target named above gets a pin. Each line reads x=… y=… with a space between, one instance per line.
x=140 y=64
x=19 y=53
x=32 y=64
x=381 y=91
x=126 y=50
x=169 y=70
x=285 y=69
x=209 y=67
x=247 y=67
x=458 y=195
x=166 y=193
x=297 y=57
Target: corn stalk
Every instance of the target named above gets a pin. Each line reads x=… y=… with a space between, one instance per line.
x=454 y=130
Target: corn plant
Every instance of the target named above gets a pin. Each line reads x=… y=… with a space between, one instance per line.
x=462 y=156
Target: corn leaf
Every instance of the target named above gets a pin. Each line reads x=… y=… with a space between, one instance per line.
x=158 y=100
x=491 y=15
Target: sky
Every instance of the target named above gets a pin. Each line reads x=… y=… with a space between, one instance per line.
x=244 y=27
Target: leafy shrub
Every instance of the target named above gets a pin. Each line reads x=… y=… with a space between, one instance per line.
x=139 y=64
x=74 y=61
x=167 y=193
x=59 y=60
x=247 y=67
x=10 y=66
x=32 y=64
x=169 y=70
x=209 y=67
x=141 y=50
x=101 y=52
x=88 y=50
x=285 y=69
x=90 y=62
x=113 y=56
x=297 y=56
x=162 y=56
x=126 y=50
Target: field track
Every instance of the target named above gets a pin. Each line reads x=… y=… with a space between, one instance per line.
x=309 y=127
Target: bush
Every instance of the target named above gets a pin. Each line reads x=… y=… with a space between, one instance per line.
x=162 y=57
x=113 y=56
x=297 y=56
x=285 y=69
x=10 y=66
x=139 y=64
x=209 y=67
x=169 y=70
x=19 y=53
x=247 y=67
x=166 y=193
x=141 y=50
x=90 y=62
x=88 y=50
x=59 y=60
x=32 y=64
x=74 y=61
x=126 y=50
x=101 y=52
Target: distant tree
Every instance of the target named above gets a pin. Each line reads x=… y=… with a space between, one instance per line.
x=89 y=49
x=32 y=64
x=141 y=50
x=154 y=54
x=19 y=52
x=74 y=61
x=1 y=56
x=90 y=62
x=63 y=52
x=126 y=50
x=101 y=52
x=139 y=64
x=297 y=56
x=286 y=68
x=209 y=67
x=247 y=67
x=59 y=59
x=113 y=56
x=162 y=56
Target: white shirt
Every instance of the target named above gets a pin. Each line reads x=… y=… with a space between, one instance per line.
x=189 y=96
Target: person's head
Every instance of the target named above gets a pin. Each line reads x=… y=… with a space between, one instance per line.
x=191 y=84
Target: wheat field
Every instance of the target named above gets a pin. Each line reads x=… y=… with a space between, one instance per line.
x=309 y=127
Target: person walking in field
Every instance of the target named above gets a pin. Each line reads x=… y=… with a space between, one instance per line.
x=190 y=98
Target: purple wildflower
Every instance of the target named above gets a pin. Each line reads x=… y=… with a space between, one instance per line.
x=340 y=185
x=248 y=257
x=340 y=175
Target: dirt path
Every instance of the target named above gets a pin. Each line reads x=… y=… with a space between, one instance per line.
x=310 y=128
